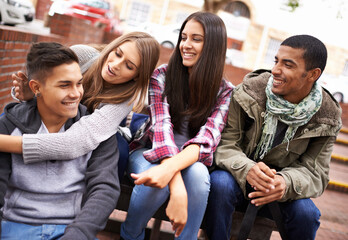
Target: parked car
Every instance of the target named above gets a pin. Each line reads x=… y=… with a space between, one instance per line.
x=338 y=87
x=96 y=11
x=14 y=12
x=166 y=35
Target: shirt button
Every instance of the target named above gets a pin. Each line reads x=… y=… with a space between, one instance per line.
x=263 y=114
x=306 y=130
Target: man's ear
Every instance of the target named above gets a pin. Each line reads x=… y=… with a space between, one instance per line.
x=35 y=86
x=314 y=74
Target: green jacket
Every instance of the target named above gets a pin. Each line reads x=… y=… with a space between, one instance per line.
x=305 y=166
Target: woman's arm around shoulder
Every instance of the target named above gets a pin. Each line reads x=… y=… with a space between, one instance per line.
x=82 y=137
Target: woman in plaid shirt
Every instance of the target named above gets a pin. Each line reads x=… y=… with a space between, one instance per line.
x=189 y=102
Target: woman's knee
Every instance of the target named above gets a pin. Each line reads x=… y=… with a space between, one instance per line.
x=197 y=179
x=137 y=163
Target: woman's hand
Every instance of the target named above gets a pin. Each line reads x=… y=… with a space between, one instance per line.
x=177 y=206
x=21 y=84
x=158 y=176
x=177 y=210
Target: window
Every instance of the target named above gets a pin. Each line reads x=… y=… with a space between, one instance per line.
x=345 y=69
x=180 y=18
x=139 y=13
x=272 y=49
x=238 y=9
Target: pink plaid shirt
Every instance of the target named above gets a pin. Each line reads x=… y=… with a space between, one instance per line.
x=160 y=130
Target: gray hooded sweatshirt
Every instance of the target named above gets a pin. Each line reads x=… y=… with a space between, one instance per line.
x=81 y=192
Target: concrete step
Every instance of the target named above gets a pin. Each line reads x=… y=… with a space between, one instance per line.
x=340 y=149
x=338 y=176
x=344 y=130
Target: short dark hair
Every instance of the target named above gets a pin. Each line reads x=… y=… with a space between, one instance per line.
x=315 y=52
x=44 y=56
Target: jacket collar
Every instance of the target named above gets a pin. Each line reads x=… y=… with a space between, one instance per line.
x=252 y=90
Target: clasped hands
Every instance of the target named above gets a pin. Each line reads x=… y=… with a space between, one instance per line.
x=268 y=185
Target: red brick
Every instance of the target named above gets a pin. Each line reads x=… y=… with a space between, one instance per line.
x=3 y=77
x=2 y=44
x=10 y=45
x=5 y=61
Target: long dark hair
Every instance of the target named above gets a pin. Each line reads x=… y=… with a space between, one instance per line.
x=195 y=94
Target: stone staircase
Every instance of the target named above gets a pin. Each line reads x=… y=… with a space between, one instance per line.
x=339 y=163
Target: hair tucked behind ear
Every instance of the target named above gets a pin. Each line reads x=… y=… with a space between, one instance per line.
x=98 y=91
x=195 y=94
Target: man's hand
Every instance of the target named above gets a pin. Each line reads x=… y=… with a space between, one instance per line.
x=261 y=198
x=21 y=84
x=158 y=176
x=177 y=210
x=261 y=177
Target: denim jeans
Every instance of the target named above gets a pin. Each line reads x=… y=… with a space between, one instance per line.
x=15 y=231
x=300 y=217
x=146 y=200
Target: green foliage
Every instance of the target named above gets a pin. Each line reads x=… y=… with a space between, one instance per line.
x=293 y=4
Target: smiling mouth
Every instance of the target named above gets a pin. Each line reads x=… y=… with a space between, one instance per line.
x=277 y=82
x=110 y=70
x=70 y=104
x=188 y=55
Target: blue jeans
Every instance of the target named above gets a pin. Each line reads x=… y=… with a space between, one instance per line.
x=15 y=231
x=146 y=200
x=300 y=217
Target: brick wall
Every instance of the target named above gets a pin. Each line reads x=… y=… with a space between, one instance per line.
x=76 y=30
x=42 y=8
x=15 y=44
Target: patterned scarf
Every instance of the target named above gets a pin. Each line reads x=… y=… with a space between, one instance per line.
x=294 y=115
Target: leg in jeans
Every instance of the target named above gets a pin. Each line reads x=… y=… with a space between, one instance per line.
x=197 y=183
x=13 y=231
x=144 y=200
x=225 y=195
x=301 y=218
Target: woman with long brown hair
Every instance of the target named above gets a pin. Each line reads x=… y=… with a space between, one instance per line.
x=188 y=102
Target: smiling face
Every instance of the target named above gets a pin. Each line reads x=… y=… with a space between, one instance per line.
x=122 y=64
x=291 y=79
x=60 y=93
x=191 y=44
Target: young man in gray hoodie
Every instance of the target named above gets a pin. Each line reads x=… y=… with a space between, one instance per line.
x=54 y=199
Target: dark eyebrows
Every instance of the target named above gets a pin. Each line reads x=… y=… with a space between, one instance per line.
x=119 y=48
x=198 y=35
x=194 y=35
x=68 y=81
x=289 y=61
